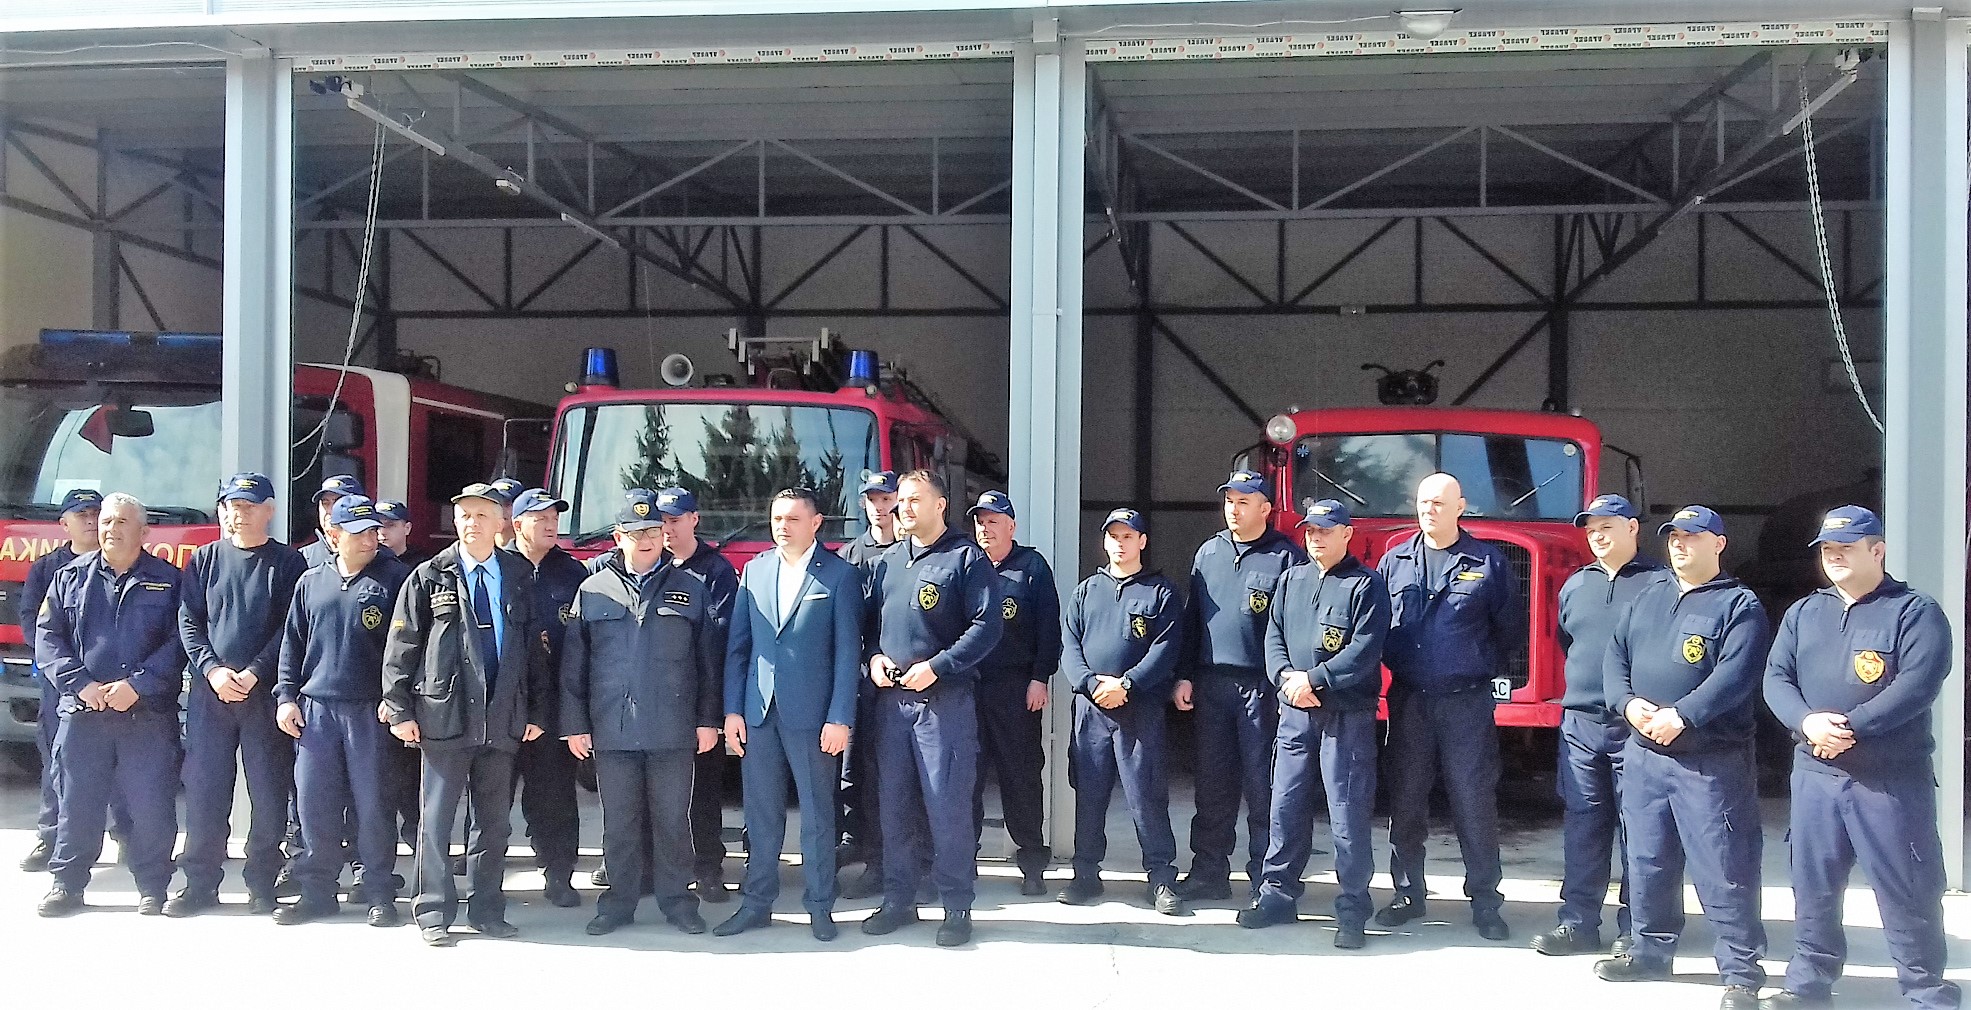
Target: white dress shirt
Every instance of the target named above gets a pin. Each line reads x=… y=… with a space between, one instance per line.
x=792 y=576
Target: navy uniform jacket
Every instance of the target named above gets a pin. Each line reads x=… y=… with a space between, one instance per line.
x=1590 y=604
x=320 y=553
x=722 y=582
x=1232 y=587
x=1700 y=652
x=233 y=605
x=332 y=648
x=1129 y=628
x=863 y=551
x=98 y=628
x=556 y=580
x=1029 y=646
x=813 y=657
x=637 y=667
x=1881 y=663
x=40 y=575
x=1453 y=639
x=938 y=604
x=1333 y=627
x=434 y=672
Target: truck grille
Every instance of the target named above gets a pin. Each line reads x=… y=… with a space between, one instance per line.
x=10 y=604
x=1518 y=661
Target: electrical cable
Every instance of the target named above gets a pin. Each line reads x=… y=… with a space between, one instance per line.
x=1820 y=251
x=356 y=312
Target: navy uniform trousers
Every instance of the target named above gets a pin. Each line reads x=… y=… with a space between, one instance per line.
x=1010 y=744
x=708 y=815
x=1891 y=829
x=1448 y=733
x=129 y=754
x=861 y=802
x=646 y=827
x=339 y=768
x=1344 y=745
x=1589 y=778
x=1123 y=744
x=544 y=773
x=928 y=745
x=48 y=721
x=1700 y=810
x=1236 y=718
x=219 y=737
x=777 y=752
x=483 y=777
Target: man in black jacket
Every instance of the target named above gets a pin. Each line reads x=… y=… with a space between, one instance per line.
x=463 y=670
x=641 y=690
x=544 y=771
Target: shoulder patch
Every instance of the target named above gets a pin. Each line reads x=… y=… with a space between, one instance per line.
x=678 y=598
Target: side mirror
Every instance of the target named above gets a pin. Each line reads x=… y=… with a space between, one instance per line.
x=344 y=432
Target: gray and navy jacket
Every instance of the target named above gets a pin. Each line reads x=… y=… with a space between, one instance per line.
x=1332 y=626
x=638 y=671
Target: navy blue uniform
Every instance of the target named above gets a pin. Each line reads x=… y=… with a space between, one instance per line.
x=1448 y=635
x=861 y=800
x=1592 y=737
x=98 y=627
x=1695 y=801
x=937 y=604
x=1029 y=651
x=1881 y=662
x=545 y=771
x=233 y=605
x=1330 y=626
x=48 y=717
x=708 y=769
x=1231 y=591
x=332 y=667
x=1130 y=628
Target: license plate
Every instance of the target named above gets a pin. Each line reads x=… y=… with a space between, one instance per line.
x=1501 y=690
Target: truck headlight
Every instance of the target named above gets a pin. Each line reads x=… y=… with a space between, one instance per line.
x=1280 y=430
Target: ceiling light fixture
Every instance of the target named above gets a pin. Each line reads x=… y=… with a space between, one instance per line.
x=1426 y=24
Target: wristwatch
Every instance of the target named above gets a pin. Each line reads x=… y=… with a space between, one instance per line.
x=1127 y=685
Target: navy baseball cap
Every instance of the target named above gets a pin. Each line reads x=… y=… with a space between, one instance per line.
x=1327 y=513
x=535 y=499
x=1128 y=517
x=353 y=513
x=879 y=482
x=253 y=487
x=1245 y=482
x=676 y=501
x=393 y=511
x=1607 y=505
x=81 y=499
x=640 y=511
x=482 y=491
x=993 y=501
x=506 y=489
x=340 y=484
x=1846 y=525
x=1693 y=519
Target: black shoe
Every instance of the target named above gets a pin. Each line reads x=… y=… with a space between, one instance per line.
x=1628 y=969
x=1164 y=899
x=150 y=904
x=261 y=904
x=604 y=924
x=1491 y=927
x=188 y=903
x=599 y=877
x=866 y=884
x=59 y=902
x=744 y=919
x=889 y=919
x=561 y=894
x=1399 y=911
x=1739 y=997
x=385 y=915
x=712 y=889
x=1196 y=888
x=1622 y=945
x=1033 y=884
x=285 y=886
x=822 y=925
x=437 y=936
x=690 y=923
x=1561 y=941
x=1080 y=891
x=957 y=928
x=1259 y=916
x=1787 y=1000
x=1350 y=936
x=36 y=860
x=498 y=929
x=305 y=911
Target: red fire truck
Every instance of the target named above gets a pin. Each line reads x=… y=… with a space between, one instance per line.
x=139 y=413
x=807 y=412
x=1525 y=475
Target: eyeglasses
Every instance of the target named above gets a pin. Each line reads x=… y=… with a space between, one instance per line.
x=644 y=535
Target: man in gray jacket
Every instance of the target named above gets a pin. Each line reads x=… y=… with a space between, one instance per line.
x=641 y=691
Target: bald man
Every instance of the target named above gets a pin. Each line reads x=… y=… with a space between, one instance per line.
x=1455 y=611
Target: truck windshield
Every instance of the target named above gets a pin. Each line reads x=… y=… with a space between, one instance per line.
x=1504 y=476
x=732 y=456
x=157 y=442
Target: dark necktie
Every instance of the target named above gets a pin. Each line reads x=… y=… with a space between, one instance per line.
x=482 y=617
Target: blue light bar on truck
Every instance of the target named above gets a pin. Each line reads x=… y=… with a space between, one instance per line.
x=129 y=338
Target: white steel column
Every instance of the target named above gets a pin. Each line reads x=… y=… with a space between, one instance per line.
x=258 y=350
x=1049 y=94
x=1924 y=362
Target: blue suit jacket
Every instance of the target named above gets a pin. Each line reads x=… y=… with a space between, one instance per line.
x=813 y=660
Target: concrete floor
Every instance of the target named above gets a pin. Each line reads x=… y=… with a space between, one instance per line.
x=1028 y=952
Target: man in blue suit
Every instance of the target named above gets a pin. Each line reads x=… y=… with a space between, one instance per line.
x=793 y=654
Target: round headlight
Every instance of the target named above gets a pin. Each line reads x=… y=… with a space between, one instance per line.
x=1281 y=430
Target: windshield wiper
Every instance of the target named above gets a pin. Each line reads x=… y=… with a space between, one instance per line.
x=188 y=515
x=29 y=510
x=1339 y=486
x=607 y=533
x=1535 y=489
x=736 y=535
